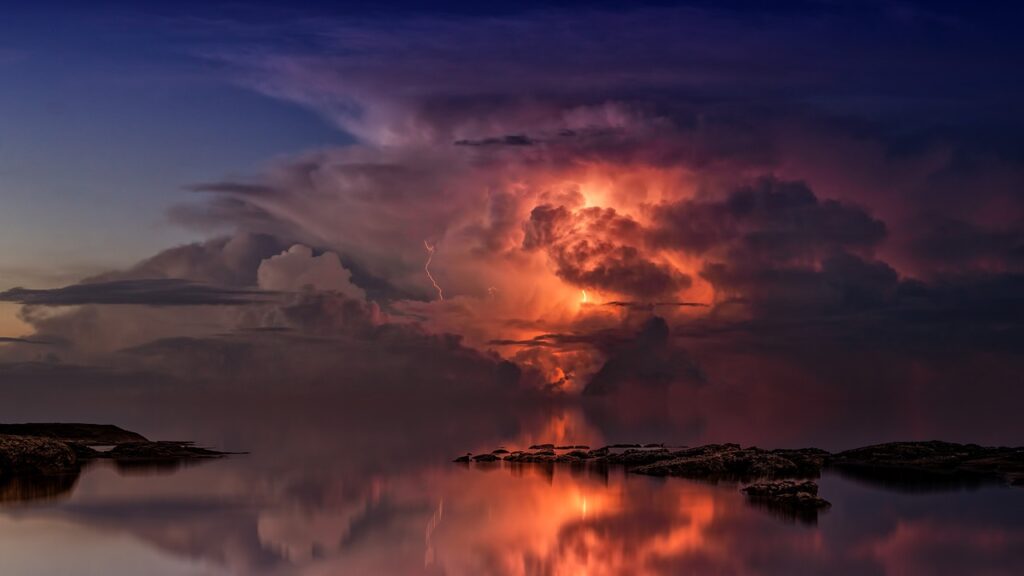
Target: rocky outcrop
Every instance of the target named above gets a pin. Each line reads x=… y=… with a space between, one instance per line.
x=730 y=461
x=796 y=499
x=792 y=492
x=88 y=434
x=633 y=458
x=917 y=464
x=160 y=451
x=44 y=460
x=779 y=478
x=26 y=455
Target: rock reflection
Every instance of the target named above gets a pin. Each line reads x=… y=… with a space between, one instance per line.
x=40 y=488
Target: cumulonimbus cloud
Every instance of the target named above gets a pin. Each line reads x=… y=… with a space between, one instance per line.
x=578 y=205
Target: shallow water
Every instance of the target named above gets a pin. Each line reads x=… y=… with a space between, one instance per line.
x=346 y=490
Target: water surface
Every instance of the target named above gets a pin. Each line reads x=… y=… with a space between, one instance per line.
x=341 y=489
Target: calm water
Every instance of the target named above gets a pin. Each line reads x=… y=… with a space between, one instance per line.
x=347 y=488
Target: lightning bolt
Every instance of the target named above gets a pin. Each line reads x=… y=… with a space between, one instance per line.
x=426 y=268
x=584 y=300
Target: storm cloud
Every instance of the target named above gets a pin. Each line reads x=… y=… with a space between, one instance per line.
x=739 y=198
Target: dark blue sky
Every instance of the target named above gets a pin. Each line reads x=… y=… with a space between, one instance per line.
x=110 y=109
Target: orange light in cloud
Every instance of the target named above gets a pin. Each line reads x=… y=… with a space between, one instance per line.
x=515 y=295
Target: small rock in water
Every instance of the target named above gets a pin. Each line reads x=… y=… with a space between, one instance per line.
x=797 y=497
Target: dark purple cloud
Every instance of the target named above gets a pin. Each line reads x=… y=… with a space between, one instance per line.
x=151 y=292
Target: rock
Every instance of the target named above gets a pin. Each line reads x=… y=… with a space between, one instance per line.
x=88 y=434
x=463 y=459
x=730 y=461
x=542 y=447
x=579 y=454
x=486 y=458
x=624 y=446
x=920 y=464
x=159 y=451
x=653 y=446
x=633 y=457
x=27 y=455
x=546 y=455
x=45 y=460
x=500 y=451
x=796 y=499
x=786 y=490
x=60 y=448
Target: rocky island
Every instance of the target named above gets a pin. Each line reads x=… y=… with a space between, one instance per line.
x=44 y=460
x=782 y=480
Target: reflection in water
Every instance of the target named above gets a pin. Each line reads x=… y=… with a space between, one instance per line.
x=322 y=494
x=916 y=481
x=53 y=487
x=37 y=488
x=435 y=519
x=528 y=520
x=802 y=515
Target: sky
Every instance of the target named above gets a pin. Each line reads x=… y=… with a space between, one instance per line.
x=811 y=209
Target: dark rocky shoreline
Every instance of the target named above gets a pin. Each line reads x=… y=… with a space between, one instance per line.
x=782 y=480
x=44 y=460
